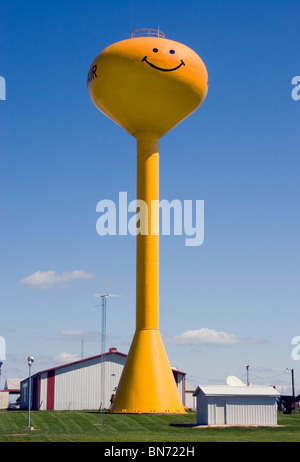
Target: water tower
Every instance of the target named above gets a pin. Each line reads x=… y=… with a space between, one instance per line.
x=147 y=84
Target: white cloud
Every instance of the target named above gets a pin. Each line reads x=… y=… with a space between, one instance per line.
x=71 y=333
x=210 y=336
x=65 y=358
x=74 y=335
x=47 y=279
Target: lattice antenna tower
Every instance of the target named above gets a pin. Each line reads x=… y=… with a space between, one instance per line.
x=103 y=349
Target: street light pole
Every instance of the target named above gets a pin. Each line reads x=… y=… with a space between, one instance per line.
x=30 y=360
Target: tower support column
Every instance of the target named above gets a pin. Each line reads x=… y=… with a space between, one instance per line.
x=147 y=245
x=147 y=384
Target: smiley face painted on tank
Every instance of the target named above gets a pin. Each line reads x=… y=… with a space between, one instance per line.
x=147 y=84
x=155 y=54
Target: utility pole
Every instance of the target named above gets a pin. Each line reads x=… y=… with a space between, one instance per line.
x=293 y=384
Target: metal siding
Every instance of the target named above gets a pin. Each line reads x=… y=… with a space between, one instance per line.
x=36 y=392
x=78 y=386
x=181 y=387
x=24 y=394
x=251 y=411
x=190 y=400
x=50 y=390
x=43 y=391
x=202 y=409
x=211 y=410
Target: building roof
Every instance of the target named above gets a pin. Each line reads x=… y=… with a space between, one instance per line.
x=12 y=385
x=175 y=369
x=242 y=390
x=79 y=361
x=189 y=387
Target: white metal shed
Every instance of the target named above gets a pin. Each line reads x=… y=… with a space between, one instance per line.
x=236 y=405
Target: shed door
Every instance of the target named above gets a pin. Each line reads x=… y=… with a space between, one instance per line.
x=220 y=411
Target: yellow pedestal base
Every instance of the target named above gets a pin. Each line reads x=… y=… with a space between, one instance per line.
x=147 y=384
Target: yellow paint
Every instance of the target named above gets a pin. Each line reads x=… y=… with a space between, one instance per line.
x=147 y=273
x=143 y=99
x=147 y=85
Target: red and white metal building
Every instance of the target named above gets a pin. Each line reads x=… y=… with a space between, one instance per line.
x=85 y=384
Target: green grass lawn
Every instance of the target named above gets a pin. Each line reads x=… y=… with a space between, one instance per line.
x=88 y=426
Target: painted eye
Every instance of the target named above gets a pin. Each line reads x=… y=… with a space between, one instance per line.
x=155 y=50
x=172 y=52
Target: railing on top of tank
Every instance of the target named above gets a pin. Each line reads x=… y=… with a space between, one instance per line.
x=147 y=33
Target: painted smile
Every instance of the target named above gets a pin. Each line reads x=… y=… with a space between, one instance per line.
x=162 y=69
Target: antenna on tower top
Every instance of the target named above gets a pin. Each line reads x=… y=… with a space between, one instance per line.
x=103 y=328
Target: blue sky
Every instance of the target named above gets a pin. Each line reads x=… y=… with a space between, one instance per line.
x=233 y=300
